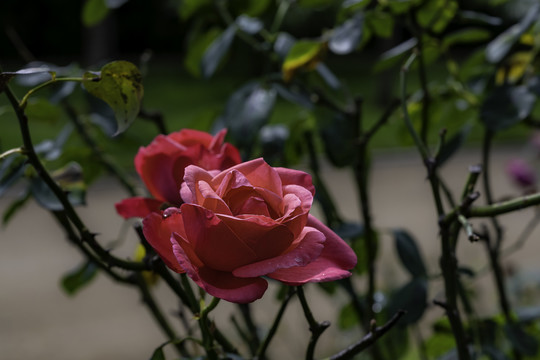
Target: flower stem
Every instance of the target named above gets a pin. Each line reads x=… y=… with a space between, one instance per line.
x=315 y=327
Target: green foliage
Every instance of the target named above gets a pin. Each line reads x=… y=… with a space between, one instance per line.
x=119 y=84
x=78 y=278
x=94 y=11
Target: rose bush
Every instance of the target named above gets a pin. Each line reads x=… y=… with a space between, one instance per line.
x=161 y=167
x=245 y=222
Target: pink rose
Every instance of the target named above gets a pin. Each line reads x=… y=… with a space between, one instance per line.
x=244 y=223
x=161 y=167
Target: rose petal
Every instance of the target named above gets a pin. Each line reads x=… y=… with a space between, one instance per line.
x=264 y=236
x=217 y=283
x=192 y=175
x=257 y=172
x=159 y=180
x=190 y=137
x=296 y=177
x=333 y=264
x=137 y=207
x=211 y=200
x=157 y=232
x=309 y=247
x=214 y=242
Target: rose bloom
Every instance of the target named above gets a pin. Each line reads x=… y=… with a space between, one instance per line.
x=244 y=223
x=161 y=167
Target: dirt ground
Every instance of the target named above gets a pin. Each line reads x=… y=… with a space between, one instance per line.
x=107 y=321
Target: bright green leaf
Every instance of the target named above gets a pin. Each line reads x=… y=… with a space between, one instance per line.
x=303 y=55
x=93 y=12
x=78 y=278
x=465 y=36
x=436 y=14
x=119 y=85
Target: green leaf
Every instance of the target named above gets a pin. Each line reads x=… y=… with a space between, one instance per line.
x=395 y=55
x=523 y=342
x=5 y=77
x=158 y=354
x=40 y=109
x=294 y=95
x=465 y=36
x=338 y=134
x=401 y=6
x=347 y=317
x=249 y=24
x=78 y=278
x=273 y=139
x=44 y=196
x=70 y=178
x=382 y=23
x=506 y=106
x=11 y=170
x=412 y=297
x=436 y=14
x=15 y=206
x=303 y=55
x=440 y=343
x=188 y=8
x=346 y=37
x=359 y=247
x=481 y=18
x=216 y=51
x=93 y=12
x=409 y=254
x=119 y=85
x=247 y=111
x=197 y=45
x=497 y=49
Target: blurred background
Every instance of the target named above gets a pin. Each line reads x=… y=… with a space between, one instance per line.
x=168 y=40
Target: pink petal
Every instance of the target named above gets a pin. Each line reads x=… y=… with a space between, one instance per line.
x=156 y=173
x=211 y=200
x=137 y=207
x=333 y=264
x=190 y=137
x=214 y=242
x=264 y=236
x=296 y=177
x=217 y=141
x=258 y=173
x=192 y=175
x=310 y=246
x=220 y=284
x=157 y=232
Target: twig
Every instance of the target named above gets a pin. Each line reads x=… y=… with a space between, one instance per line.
x=368 y=340
x=315 y=327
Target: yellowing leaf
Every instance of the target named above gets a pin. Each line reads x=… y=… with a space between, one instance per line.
x=303 y=55
x=119 y=84
x=149 y=277
x=514 y=68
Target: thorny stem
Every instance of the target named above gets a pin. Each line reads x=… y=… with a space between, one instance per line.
x=494 y=249
x=207 y=329
x=70 y=212
x=374 y=334
x=315 y=327
x=261 y=353
x=111 y=167
x=448 y=261
x=148 y=299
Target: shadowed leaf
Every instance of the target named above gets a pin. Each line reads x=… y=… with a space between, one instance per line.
x=120 y=86
x=79 y=277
